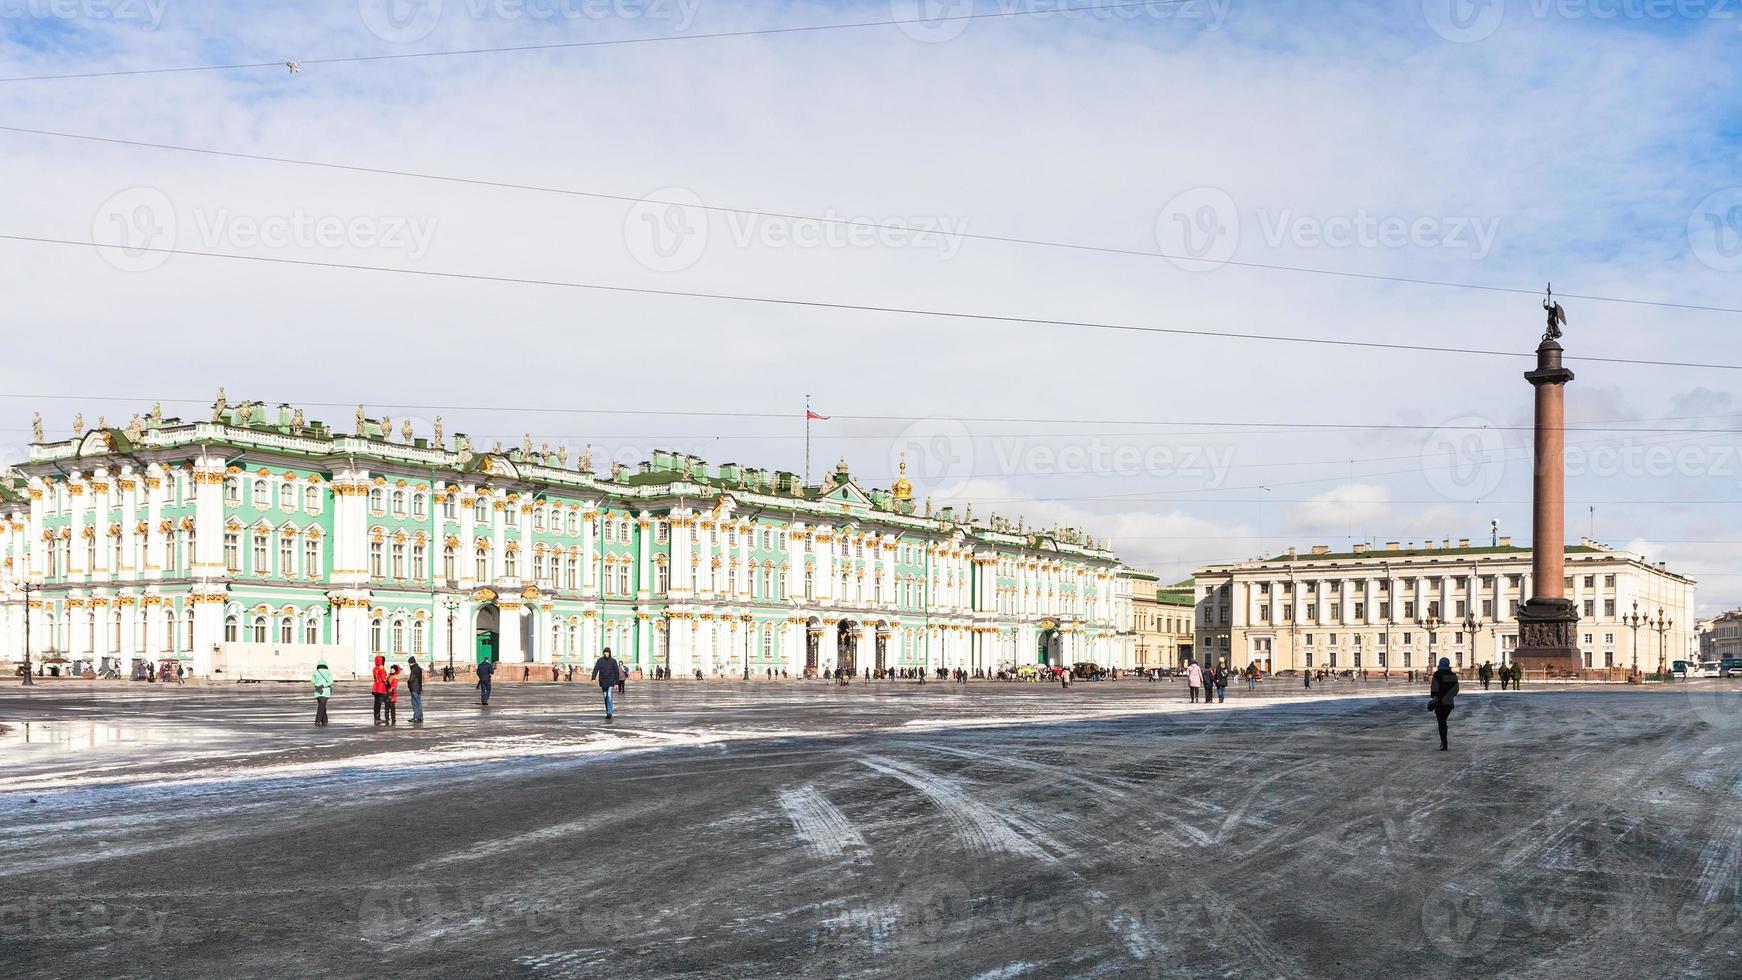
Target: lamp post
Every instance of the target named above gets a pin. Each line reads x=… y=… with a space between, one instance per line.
x=1469 y=630
x=450 y=604
x=1432 y=624
x=1662 y=626
x=1633 y=622
x=27 y=590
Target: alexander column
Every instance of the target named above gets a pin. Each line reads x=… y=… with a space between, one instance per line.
x=1548 y=622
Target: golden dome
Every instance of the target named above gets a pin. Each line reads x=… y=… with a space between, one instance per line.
x=903 y=487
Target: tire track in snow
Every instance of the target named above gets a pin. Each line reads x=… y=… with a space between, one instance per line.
x=819 y=823
x=978 y=827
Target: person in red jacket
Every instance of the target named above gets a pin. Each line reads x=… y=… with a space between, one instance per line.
x=392 y=694
x=380 y=687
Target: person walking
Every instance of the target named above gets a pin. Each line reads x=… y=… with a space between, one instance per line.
x=1485 y=673
x=1194 y=680
x=414 y=687
x=486 y=670
x=607 y=671
x=378 y=687
x=323 y=685
x=180 y=674
x=1442 y=689
x=1221 y=684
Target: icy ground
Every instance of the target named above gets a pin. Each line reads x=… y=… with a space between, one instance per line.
x=791 y=829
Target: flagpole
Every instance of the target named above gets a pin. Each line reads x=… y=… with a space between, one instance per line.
x=807 y=440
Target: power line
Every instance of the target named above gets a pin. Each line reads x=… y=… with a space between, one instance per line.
x=851 y=223
x=1594 y=425
x=280 y=64
x=858 y=307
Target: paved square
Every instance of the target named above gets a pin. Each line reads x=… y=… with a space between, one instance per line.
x=791 y=829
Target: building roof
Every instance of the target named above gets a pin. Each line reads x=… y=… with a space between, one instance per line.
x=1419 y=553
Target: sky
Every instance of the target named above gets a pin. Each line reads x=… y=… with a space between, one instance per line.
x=1233 y=167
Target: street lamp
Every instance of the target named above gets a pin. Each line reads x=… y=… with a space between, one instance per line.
x=1470 y=631
x=27 y=590
x=1432 y=624
x=1662 y=626
x=450 y=604
x=1633 y=622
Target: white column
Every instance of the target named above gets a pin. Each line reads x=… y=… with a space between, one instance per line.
x=512 y=613
x=644 y=561
x=464 y=560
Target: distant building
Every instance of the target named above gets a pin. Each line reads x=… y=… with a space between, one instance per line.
x=1402 y=607
x=1156 y=628
x=1721 y=636
x=180 y=540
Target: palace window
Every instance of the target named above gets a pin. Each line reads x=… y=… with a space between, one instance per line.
x=229 y=628
x=376 y=502
x=399 y=636
x=169 y=632
x=574 y=523
x=311 y=500
x=375 y=560
x=262 y=561
x=449 y=509
x=311 y=631
x=259 y=629
x=419 y=561
x=481 y=564
x=375 y=635
x=511 y=565
x=623 y=580
x=450 y=570
x=417 y=636
x=661 y=579
x=399 y=503
x=398 y=559
x=1608 y=608
x=188 y=630
x=286 y=557
x=233 y=491
x=419 y=506
x=262 y=495
x=538 y=568
x=286 y=631
x=538 y=518
x=511 y=515
x=609 y=532
x=311 y=558
x=571 y=573
x=481 y=511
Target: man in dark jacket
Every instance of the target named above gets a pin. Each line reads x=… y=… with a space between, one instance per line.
x=414 y=687
x=485 y=670
x=1441 y=690
x=607 y=671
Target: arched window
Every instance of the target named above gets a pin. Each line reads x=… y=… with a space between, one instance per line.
x=511 y=565
x=311 y=631
x=661 y=579
x=399 y=502
x=399 y=559
x=311 y=557
x=188 y=630
x=375 y=635
x=375 y=500
x=232 y=491
x=481 y=512
x=230 y=627
x=574 y=645
x=262 y=495
x=286 y=631
x=169 y=632
x=767 y=641
x=449 y=569
x=417 y=636
x=311 y=500
x=419 y=561
x=482 y=561
x=375 y=559
x=116 y=629
x=399 y=636
x=259 y=629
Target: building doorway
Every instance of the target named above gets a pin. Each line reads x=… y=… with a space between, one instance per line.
x=487 y=631
x=847 y=647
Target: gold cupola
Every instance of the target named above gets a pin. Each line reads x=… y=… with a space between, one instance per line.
x=903 y=488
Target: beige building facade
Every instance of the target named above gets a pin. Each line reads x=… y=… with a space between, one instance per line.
x=1155 y=625
x=1403 y=606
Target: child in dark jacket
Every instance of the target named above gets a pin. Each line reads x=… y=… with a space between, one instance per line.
x=392 y=694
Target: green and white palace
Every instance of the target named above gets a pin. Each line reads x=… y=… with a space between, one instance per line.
x=258 y=537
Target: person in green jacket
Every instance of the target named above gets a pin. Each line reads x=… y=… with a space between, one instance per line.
x=323 y=684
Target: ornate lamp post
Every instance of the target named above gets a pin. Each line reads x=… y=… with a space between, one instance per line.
x=1469 y=631
x=1662 y=626
x=1633 y=622
x=28 y=588
x=1432 y=624
x=451 y=604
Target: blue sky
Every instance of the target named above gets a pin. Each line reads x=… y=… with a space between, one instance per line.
x=1554 y=143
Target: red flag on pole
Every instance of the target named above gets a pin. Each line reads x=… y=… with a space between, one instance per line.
x=808 y=414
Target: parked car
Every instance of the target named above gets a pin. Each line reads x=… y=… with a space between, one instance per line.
x=1730 y=667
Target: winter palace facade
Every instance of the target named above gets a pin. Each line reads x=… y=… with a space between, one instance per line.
x=257 y=533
